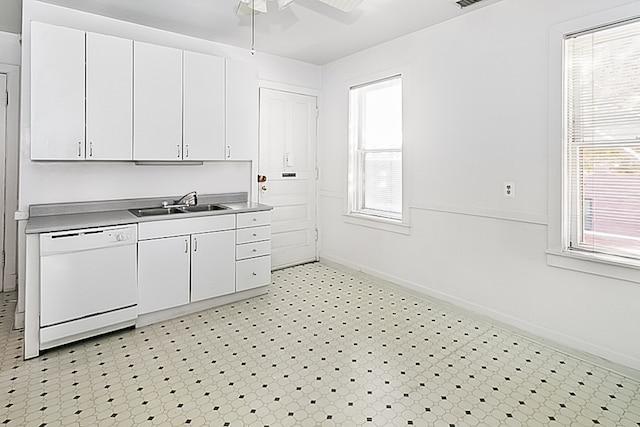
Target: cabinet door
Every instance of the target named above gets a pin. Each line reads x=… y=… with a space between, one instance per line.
x=253 y=273
x=157 y=100
x=109 y=98
x=212 y=264
x=163 y=273
x=57 y=92
x=203 y=109
x=242 y=111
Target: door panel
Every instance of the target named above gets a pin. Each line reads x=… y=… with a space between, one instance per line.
x=288 y=160
x=3 y=172
x=163 y=273
x=157 y=102
x=109 y=98
x=213 y=264
x=203 y=121
x=57 y=92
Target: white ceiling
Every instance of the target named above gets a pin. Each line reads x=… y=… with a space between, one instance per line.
x=307 y=30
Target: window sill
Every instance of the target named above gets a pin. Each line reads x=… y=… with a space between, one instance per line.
x=598 y=264
x=377 y=223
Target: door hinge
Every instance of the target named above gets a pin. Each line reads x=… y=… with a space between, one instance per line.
x=6 y=98
x=316 y=230
x=317 y=112
x=317 y=173
x=3 y=258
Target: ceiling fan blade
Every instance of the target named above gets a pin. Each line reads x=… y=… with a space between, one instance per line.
x=342 y=5
x=284 y=3
x=245 y=6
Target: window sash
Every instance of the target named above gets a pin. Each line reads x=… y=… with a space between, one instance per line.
x=602 y=141
x=375 y=176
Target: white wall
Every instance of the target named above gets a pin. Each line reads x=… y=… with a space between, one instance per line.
x=10 y=66
x=476 y=113
x=9 y=48
x=10 y=15
x=55 y=182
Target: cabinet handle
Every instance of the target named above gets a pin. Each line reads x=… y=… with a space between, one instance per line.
x=178 y=156
x=186 y=246
x=91 y=149
x=255 y=250
x=254 y=273
x=228 y=151
x=79 y=148
x=255 y=219
x=195 y=245
x=186 y=150
x=255 y=235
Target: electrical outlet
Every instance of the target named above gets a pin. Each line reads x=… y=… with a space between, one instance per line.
x=509 y=189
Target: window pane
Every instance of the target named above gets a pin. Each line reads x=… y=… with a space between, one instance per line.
x=383 y=182
x=375 y=167
x=611 y=198
x=603 y=140
x=382 y=116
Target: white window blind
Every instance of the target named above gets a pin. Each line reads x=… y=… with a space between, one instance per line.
x=375 y=184
x=602 y=199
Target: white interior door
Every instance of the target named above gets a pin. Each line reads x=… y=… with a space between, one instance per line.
x=3 y=147
x=288 y=123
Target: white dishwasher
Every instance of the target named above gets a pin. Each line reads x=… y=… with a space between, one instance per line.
x=88 y=283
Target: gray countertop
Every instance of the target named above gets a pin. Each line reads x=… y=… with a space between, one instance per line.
x=71 y=218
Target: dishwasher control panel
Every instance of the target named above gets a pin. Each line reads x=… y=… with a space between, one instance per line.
x=120 y=236
x=87 y=239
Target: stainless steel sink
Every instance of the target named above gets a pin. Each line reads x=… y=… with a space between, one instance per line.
x=175 y=210
x=155 y=211
x=204 y=208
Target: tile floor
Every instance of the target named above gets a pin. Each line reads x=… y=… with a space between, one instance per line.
x=324 y=347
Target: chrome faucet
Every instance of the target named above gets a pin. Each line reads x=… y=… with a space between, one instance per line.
x=189 y=199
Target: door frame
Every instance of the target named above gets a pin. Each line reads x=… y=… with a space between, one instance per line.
x=10 y=178
x=299 y=90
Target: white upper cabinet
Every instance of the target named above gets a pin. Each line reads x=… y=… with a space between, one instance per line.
x=242 y=111
x=57 y=92
x=204 y=107
x=157 y=99
x=100 y=97
x=109 y=98
x=60 y=85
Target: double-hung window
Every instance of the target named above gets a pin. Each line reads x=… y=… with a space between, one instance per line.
x=375 y=169
x=602 y=141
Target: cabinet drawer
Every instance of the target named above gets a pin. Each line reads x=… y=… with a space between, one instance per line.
x=252 y=250
x=253 y=273
x=254 y=219
x=179 y=227
x=253 y=234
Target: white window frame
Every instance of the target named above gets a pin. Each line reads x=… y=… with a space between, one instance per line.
x=351 y=214
x=558 y=254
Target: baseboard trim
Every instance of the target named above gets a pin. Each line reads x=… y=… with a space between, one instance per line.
x=18 y=319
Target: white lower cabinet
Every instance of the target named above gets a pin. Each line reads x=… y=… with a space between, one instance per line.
x=253 y=250
x=163 y=273
x=212 y=265
x=194 y=259
x=253 y=273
